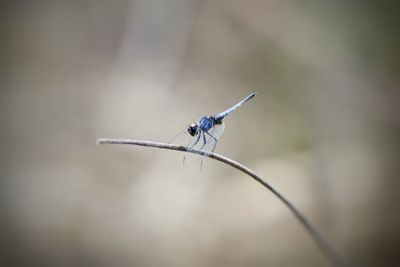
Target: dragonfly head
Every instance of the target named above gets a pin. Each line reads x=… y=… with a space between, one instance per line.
x=192 y=129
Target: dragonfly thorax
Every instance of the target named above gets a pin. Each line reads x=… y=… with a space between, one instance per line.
x=204 y=125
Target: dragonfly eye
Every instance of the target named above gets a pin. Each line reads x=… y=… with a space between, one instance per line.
x=192 y=129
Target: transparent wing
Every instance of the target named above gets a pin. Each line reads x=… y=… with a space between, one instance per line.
x=195 y=143
x=178 y=138
x=213 y=138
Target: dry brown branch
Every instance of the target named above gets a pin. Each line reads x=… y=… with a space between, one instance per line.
x=322 y=243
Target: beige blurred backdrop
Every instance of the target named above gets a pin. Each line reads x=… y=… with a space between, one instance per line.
x=323 y=130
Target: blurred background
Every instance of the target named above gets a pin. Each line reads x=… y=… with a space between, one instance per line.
x=323 y=130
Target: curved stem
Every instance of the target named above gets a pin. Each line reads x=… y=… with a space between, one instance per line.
x=322 y=243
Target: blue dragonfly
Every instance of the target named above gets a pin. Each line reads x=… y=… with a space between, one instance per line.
x=207 y=130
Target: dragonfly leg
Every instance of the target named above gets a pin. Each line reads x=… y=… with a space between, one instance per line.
x=215 y=143
x=205 y=142
x=197 y=140
x=195 y=143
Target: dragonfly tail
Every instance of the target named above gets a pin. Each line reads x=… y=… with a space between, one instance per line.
x=224 y=114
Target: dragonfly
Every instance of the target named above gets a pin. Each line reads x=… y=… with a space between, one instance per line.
x=207 y=130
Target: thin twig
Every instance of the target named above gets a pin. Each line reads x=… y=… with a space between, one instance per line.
x=322 y=243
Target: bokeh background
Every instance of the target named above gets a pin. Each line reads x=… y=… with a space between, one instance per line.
x=323 y=130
